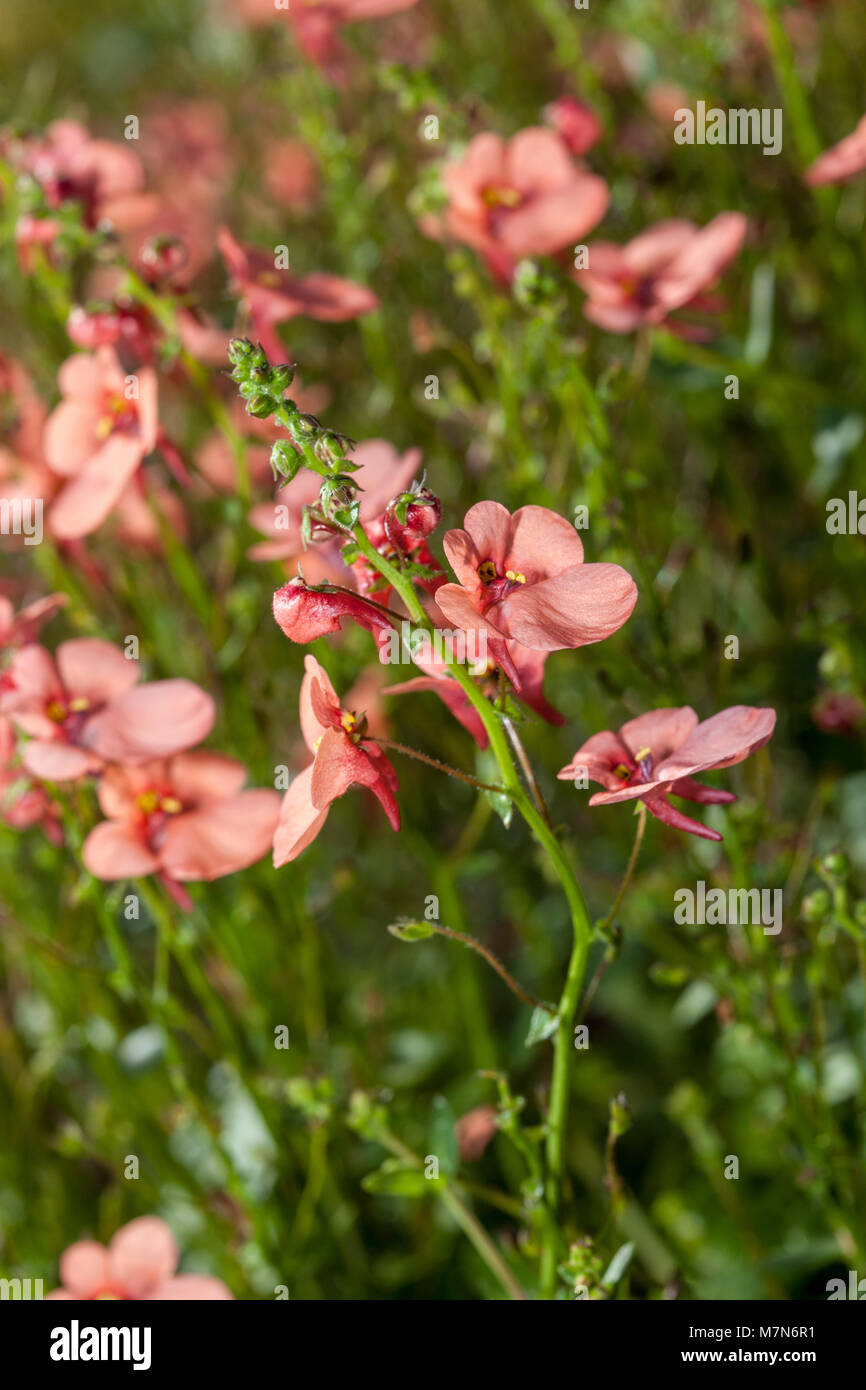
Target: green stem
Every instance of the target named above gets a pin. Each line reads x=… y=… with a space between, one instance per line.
x=581 y=924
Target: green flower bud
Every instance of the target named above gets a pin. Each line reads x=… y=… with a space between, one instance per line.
x=837 y=864
x=817 y=905
x=260 y=405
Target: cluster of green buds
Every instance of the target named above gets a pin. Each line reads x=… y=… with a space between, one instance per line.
x=309 y=445
x=583 y=1269
x=830 y=907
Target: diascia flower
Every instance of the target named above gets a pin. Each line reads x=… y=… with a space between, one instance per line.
x=657 y=755
x=663 y=269
x=138 y=1264
x=842 y=161
x=522 y=577
x=520 y=197
x=342 y=758
x=97 y=438
x=80 y=709
x=272 y=296
x=186 y=817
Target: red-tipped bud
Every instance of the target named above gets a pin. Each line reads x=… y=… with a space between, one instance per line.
x=304 y=612
x=577 y=126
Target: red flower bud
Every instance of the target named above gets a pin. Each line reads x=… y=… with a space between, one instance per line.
x=304 y=612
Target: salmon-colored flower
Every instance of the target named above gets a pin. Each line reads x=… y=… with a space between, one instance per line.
x=342 y=758
x=520 y=197
x=663 y=269
x=187 y=818
x=657 y=755
x=522 y=578
x=138 y=1264
x=271 y=296
x=105 y=176
x=97 y=437
x=842 y=161
x=80 y=709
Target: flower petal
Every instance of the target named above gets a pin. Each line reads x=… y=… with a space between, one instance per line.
x=142 y=1255
x=222 y=837
x=151 y=721
x=725 y=739
x=94 y=670
x=84 y=1269
x=581 y=605
x=300 y=821
x=113 y=851
x=202 y=1287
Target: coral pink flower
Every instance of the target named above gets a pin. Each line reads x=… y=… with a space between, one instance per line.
x=80 y=709
x=104 y=176
x=272 y=296
x=185 y=817
x=576 y=124
x=842 y=161
x=382 y=474
x=342 y=758
x=657 y=755
x=664 y=269
x=97 y=438
x=138 y=1264
x=522 y=577
x=520 y=197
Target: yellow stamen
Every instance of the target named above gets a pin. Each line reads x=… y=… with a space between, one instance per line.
x=515 y=576
x=170 y=805
x=641 y=754
x=502 y=197
x=79 y=704
x=348 y=721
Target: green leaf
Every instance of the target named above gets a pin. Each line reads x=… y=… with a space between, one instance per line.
x=394 y=1179
x=618 y=1266
x=411 y=931
x=443 y=1136
x=542 y=1025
